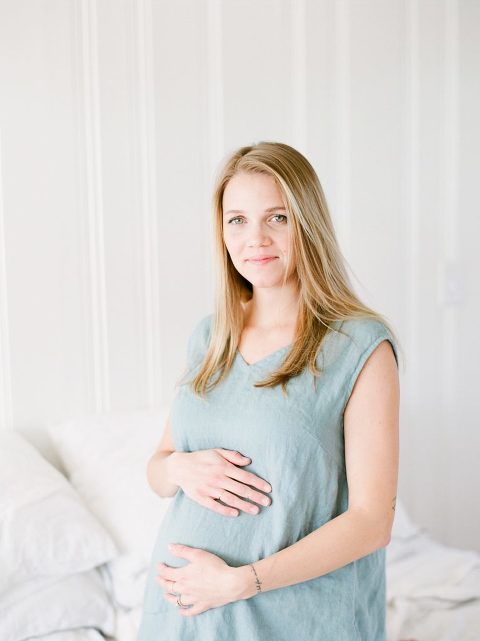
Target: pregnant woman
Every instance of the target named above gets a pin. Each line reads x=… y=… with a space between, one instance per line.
x=281 y=448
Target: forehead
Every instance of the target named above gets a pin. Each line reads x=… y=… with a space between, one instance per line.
x=252 y=189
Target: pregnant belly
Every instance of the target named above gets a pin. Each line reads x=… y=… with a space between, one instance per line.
x=238 y=540
x=241 y=540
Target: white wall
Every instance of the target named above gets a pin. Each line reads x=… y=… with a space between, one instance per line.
x=114 y=115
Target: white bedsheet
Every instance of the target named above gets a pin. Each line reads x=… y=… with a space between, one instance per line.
x=433 y=591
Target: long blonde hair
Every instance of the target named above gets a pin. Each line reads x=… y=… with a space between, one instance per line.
x=325 y=292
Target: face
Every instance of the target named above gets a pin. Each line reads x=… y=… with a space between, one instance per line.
x=255 y=224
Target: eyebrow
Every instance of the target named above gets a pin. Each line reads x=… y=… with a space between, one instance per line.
x=239 y=211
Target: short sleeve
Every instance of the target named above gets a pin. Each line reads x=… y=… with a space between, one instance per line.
x=366 y=335
x=198 y=341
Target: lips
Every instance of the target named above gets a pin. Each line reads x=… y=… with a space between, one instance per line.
x=260 y=259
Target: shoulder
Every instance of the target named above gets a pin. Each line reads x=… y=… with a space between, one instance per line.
x=199 y=337
x=360 y=336
x=202 y=325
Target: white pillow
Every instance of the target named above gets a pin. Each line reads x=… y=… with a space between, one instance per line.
x=46 y=532
x=105 y=457
x=77 y=601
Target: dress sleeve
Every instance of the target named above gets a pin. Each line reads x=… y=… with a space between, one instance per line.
x=198 y=341
x=366 y=336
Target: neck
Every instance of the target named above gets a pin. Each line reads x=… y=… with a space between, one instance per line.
x=272 y=307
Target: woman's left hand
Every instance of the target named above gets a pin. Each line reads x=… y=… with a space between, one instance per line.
x=206 y=582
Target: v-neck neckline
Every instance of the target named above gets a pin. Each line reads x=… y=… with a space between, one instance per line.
x=262 y=360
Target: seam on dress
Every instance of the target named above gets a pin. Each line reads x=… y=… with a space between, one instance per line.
x=303 y=426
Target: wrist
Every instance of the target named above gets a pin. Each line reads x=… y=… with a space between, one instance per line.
x=244 y=582
x=172 y=467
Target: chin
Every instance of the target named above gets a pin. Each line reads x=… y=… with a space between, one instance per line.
x=261 y=283
x=262 y=280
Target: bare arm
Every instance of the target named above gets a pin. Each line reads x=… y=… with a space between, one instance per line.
x=159 y=467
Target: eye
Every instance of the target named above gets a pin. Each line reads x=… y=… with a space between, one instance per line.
x=236 y=218
x=281 y=216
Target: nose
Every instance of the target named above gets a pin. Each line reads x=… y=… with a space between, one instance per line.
x=258 y=235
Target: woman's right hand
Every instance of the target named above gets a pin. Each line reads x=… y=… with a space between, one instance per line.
x=204 y=475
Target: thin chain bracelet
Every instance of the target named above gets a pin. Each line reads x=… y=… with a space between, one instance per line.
x=258 y=583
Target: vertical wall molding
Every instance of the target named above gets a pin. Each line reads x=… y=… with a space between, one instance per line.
x=412 y=170
x=298 y=13
x=87 y=17
x=215 y=143
x=145 y=117
x=412 y=249
x=6 y=398
x=342 y=101
x=216 y=138
x=450 y=235
x=450 y=212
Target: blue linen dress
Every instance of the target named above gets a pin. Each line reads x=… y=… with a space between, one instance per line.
x=295 y=443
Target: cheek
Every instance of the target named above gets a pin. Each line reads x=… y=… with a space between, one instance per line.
x=233 y=245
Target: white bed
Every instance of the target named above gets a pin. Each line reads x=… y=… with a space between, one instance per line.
x=75 y=542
